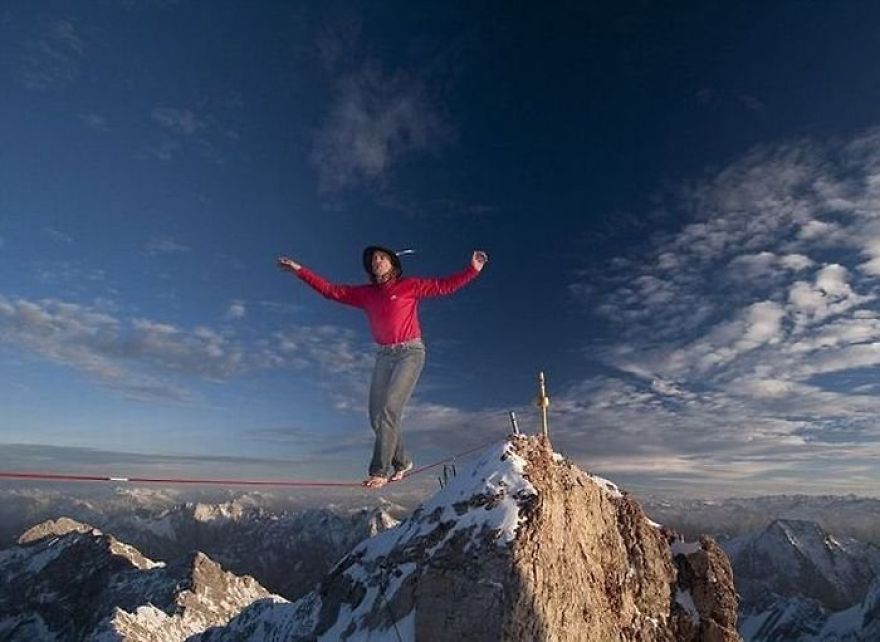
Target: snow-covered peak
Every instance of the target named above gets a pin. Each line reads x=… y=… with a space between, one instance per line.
x=54 y=528
x=231 y=510
x=480 y=505
x=484 y=495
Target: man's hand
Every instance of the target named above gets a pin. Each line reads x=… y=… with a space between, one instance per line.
x=288 y=264
x=479 y=260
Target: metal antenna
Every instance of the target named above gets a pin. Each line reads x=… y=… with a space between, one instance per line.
x=544 y=405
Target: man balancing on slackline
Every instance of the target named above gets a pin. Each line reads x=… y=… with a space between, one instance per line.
x=390 y=302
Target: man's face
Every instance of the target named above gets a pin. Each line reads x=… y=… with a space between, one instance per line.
x=381 y=264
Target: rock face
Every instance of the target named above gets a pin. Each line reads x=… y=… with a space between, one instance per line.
x=519 y=546
x=68 y=581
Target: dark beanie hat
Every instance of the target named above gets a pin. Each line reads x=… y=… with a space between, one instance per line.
x=368 y=258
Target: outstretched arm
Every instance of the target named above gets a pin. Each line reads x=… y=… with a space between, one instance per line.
x=449 y=284
x=347 y=294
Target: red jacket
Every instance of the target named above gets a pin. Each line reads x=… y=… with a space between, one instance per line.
x=391 y=307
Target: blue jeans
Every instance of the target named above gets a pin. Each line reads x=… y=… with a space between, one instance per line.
x=395 y=375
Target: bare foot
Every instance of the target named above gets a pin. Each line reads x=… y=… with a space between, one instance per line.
x=374 y=481
x=400 y=474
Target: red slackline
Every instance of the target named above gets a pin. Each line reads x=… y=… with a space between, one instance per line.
x=225 y=482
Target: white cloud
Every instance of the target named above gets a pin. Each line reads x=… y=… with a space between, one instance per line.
x=376 y=120
x=58 y=235
x=72 y=274
x=816 y=230
x=763 y=324
x=95 y=121
x=180 y=130
x=796 y=262
x=871 y=248
x=841 y=331
x=828 y=296
x=164 y=149
x=123 y=355
x=51 y=59
x=136 y=356
x=72 y=335
x=767 y=265
x=178 y=121
x=752 y=266
x=668 y=388
x=236 y=310
x=165 y=245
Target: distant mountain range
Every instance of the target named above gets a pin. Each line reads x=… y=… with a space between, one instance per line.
x=288 y=551
x=68 y=581
x=841 y=515
x=798 y=583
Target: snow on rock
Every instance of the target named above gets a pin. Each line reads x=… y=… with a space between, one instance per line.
x=483 y=497
x=609 y=487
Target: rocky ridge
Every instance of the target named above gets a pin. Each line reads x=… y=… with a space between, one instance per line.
x=288 y=550
x=68 y=581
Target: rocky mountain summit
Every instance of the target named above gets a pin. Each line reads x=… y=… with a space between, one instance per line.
x=521 y=545
x=68 y=581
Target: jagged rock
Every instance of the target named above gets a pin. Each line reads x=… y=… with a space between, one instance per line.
x=69 y=581
x=706 y=576
x=288 y=552
x=285 y=545
x=56 y=528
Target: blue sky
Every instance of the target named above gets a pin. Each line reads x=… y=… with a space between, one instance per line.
x=680 y=204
